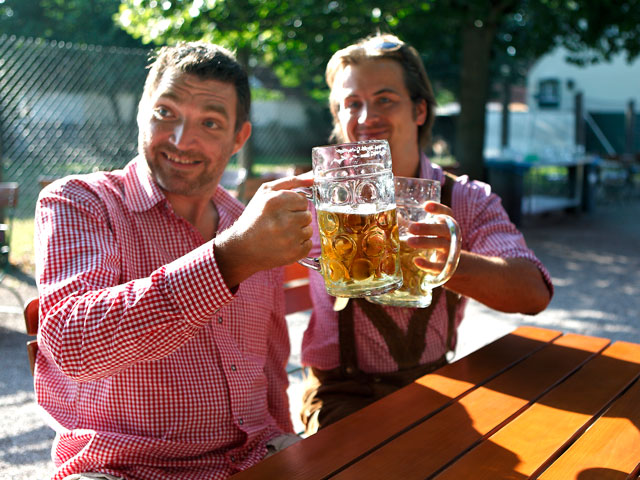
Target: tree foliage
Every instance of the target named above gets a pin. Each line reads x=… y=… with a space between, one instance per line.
x=76 y=21
x=466 y=45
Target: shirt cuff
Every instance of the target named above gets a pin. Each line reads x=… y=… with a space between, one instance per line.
x=196 y=284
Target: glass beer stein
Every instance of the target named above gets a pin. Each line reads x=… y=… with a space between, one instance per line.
x=411 y=196
x=354 y=196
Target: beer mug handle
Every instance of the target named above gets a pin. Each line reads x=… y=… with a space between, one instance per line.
x=454 y=252
x=309 y=262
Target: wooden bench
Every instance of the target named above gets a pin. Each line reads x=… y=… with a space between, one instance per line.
x=31 y=325
x=8 y=203
x=297 y=297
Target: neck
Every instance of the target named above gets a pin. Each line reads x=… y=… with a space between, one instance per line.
x=406 y=161
x=199 y=211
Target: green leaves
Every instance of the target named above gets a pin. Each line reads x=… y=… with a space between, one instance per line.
x=77 y=21
x=295 y=38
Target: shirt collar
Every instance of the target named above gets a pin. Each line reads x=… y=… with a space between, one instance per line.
x=142 y=192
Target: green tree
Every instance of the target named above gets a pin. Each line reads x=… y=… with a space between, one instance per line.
x=294 y=39
x=470 y=45
x=77 y=21
x=465 y=44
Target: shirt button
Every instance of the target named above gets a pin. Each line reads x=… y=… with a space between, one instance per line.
x=233 y=367
x=240 y=421
x=219 y=319
x=233 y=459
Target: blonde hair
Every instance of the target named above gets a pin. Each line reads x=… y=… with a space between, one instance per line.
x=385 y=46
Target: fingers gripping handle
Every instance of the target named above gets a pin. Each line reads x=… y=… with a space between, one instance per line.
x=454 y=252
x=309 y=262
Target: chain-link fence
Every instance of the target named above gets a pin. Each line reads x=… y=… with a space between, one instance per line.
x=69 y=109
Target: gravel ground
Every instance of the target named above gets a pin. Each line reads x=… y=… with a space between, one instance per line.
x=593 y=259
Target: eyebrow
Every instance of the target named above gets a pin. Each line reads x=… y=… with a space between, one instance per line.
x=386 y=90
x=210 y=107
x=377 y=92
x=216 y=108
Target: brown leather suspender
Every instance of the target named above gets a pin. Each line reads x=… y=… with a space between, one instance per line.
x=406 y=349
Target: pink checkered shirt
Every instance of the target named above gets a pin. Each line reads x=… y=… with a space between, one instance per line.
x=149 y=367
x=486 y=229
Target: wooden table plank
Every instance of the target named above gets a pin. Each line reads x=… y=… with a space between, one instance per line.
x=431 y=445
x=609 y=450
x=319 y=456
x=544 y=430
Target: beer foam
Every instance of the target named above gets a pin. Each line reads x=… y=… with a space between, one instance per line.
x=359 y=209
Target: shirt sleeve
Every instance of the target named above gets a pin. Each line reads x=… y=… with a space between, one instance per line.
x=92 y=323
x=277 y=358
x=486 y=227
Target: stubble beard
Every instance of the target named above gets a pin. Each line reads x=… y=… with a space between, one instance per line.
x=175 y=181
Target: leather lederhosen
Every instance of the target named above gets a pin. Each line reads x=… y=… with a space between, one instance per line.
x=333 y=394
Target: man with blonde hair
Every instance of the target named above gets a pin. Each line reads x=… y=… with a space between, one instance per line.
x=380 y=90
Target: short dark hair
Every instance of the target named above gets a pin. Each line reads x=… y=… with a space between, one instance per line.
x=386 y=46
x=209 y=62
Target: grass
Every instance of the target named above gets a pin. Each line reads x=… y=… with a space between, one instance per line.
x=22 y=252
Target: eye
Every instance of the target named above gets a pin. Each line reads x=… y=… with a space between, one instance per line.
x=161 y=112
x=384 y=100
x=210 y=124
x=353 y=104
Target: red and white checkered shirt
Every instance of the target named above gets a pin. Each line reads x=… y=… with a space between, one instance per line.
x=486 y=229
x=149 y=367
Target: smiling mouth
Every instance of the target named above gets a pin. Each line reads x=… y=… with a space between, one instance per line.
x=373 y=134
x=180 y=161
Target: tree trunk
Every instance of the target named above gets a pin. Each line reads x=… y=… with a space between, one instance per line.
x=504 y=118
x=245 y=155
x=474 y=92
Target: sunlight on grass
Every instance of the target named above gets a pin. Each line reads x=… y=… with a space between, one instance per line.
x=22 y=255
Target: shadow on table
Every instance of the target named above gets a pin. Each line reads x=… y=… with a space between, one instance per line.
x=585 y=376
x=601 y=474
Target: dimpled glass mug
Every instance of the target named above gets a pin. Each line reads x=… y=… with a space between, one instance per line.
x=354 y=196
x=411 y=196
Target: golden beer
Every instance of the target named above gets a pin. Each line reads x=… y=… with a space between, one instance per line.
x=360 y=252
x=416 y=288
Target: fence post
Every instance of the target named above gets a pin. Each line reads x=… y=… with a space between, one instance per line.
x=580 y=134
x=630 y=128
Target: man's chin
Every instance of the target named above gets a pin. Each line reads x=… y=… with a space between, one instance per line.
x=365 y=137
x=185 y=187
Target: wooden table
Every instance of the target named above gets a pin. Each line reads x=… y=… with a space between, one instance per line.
x=535 y=403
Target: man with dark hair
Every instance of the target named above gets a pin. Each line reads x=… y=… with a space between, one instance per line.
x=162 y=337
x=380 y=90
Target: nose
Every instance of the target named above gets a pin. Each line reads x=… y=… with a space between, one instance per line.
x=181 y=135
x=367 y=114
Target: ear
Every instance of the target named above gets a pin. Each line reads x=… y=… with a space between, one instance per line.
x=420 y=109
x=242 y=135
